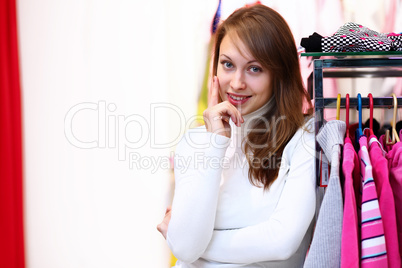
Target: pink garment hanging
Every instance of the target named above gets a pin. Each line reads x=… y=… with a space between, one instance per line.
x=394 y=157
x=386 y=147
x=373 y=248
x=350 y=249
x=386 y=201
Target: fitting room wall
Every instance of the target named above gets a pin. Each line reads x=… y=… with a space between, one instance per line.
x=90 y=72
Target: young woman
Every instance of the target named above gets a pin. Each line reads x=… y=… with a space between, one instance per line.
x=245 y=188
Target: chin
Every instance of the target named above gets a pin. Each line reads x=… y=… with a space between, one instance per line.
x=243 y=111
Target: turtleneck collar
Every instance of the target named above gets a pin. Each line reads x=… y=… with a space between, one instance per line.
x=260 y=111
x=248 y=118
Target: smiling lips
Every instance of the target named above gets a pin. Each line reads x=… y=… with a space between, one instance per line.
x=237 y=99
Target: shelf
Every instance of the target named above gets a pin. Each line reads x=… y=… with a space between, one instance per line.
x=356 y=67
x=386 y=54
x=377 y=73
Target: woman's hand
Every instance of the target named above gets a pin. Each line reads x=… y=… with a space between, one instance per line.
x=217 y=115
x=163 y=226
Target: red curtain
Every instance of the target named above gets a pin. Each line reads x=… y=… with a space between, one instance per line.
x=11 y=179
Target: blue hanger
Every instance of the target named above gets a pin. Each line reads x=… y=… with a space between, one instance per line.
x=359 y=130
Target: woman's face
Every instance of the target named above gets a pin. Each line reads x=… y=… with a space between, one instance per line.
x=243 y=81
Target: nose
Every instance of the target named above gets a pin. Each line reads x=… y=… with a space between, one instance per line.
x=237 y=82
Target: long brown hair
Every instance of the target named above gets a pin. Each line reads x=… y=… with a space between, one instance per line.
x=269 y=39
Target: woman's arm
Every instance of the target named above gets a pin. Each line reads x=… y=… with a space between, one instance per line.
x=279 y=237
x=197 y=178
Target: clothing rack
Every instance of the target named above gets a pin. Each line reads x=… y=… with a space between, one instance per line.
x=389 y=65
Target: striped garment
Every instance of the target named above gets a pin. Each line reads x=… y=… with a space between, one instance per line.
x=373 y=249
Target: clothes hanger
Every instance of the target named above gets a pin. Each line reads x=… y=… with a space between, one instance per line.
x=395 y=135
x=338 y=107
x=371 y=113
x=359 y=130
x=347 y=104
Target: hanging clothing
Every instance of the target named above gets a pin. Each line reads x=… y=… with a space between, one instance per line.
x=383 y=142
x=373 y=248
x=386 y=200
x=325 y=249
x=394 y=157
x=350 y=249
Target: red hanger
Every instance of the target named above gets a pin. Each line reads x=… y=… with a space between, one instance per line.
x=347 y=104
x=371 y=112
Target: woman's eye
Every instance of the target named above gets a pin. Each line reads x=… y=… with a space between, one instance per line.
x=255 y=69
x=227 y=64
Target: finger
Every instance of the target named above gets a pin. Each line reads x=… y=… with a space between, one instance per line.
x=214 y=93
x=228 y=111
x=235 y=114
x=225 y=117
x=162 y=229
x=239 y=118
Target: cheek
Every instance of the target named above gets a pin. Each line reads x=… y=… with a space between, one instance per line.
x=222 y=95
x=221 y=77
x=223 y=84
x=259 y=87
x=264 y=88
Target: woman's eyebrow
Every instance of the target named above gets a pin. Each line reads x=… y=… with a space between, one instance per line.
x=251 y=61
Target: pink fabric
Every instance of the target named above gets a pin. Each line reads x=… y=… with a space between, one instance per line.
x=386 y=201
x=374 y=252
x=350 y=255
x=394 y=157
x=386 y=147
x=369 y=214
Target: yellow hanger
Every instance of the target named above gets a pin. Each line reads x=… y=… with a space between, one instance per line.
x=395 y=137
x=338 y=107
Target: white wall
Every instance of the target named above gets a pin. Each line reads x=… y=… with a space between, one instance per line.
x=90 y=72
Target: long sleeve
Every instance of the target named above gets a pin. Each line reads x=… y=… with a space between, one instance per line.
x=279 y=237
x=325 y=249
x=350 y=225
x=373 y=248
x=198 y=168
x=394 y=158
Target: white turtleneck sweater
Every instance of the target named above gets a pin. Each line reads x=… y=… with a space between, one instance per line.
x=219 y=219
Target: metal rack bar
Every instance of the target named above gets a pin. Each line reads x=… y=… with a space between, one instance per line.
x=383 y=102
x=358 y=63
x=362 y=74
